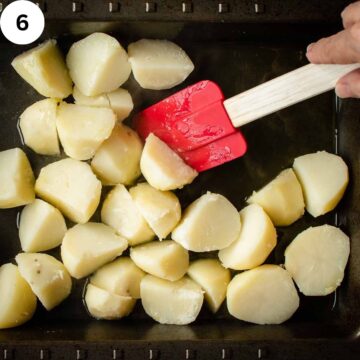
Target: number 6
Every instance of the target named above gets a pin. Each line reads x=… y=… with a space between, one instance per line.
x=21 y=23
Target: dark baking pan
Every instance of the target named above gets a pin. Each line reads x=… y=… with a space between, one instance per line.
x=238 y=44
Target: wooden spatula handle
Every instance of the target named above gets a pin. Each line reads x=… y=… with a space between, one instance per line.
x=283 y=91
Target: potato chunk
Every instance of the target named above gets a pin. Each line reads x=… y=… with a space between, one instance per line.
x=254 y=244
x=120 y=212
x=171 y=302
x=98 y=64
x=86 y=247
x=162 y=167
x=16 y=179
x=38 y=126
x=43 y=67
x=159 y=64
x=120 y=277
x=42 y=227
x=281 y=198
x=317 y=258
x=18 y=302
x=210 y=223
x=117 y=160
x=161 y=209
x=213 y=278
x=47 y=277
x=82 y=129
x=323 y=177
x=72 y=187
x=164 y=259
x=264 y=295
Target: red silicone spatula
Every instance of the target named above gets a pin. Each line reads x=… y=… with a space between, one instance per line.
x=200 y=125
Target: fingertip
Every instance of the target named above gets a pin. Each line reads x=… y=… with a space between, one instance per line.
x=343 y=91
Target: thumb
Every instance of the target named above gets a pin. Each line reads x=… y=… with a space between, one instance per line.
x=349 y=85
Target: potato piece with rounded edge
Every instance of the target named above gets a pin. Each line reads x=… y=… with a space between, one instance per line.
x=18 y=302
x=86 y=247
x=162 y=167
x=161 y=209
x=164 y=259
x=42 y=227
x=324 y=178
x=171 y=302
x=72 y=187
x=43 y=67
x=103 y=304
x=16 y=179
x=159 y=64
x=47 y=277
x=98 y=64
x=264 y=295
x=120 y=277
x=210 y=223
x=38 y=127
x=117 y=160
x=213 y=278
x=281 y=198
x=121 y=213
x=255 y=242
x=317 y=258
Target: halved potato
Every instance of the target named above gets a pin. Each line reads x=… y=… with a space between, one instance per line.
x=255 y=242
x=71 y=186
x=161 y=209
x=38 y=126
x=159 y=64
x=281 y=198
x=210 y=223
x=98 y=64
x=86 y=247
x=16 y=179
x=18 y=302
x=42 y=227
x=213 y=278
x=317 y=258
x=324 y=178
x=164 y=259
x=47 y=277
x=264 y=295
x=162 y=167
x=171 y=302
x=43 y=67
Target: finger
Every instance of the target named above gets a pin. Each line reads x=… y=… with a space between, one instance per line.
x=351 y=14
x=349 y=85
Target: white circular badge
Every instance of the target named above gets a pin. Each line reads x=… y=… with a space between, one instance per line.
x=22 y=22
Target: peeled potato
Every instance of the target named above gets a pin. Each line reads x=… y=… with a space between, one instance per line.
x=72 y=187
x=18 y=302
x=42 y=227
x=16 y=179
x=47 y=277
x=86 y=247
x=82 y=129
x=164 y=259
x=317 y=258
x=161 y=209
x=120 y=212
x=117 y=160
x=98 y=64
x=159 y=64
x=255 y=242
x=162 y=167
x=281 y=198
x=43 y=67
x=99 y=100
x=323 y=178
x=210 y=223
x=213 y=278
x=171 y=302
x=264 y=295
x=103 y=304
x=38 y=126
